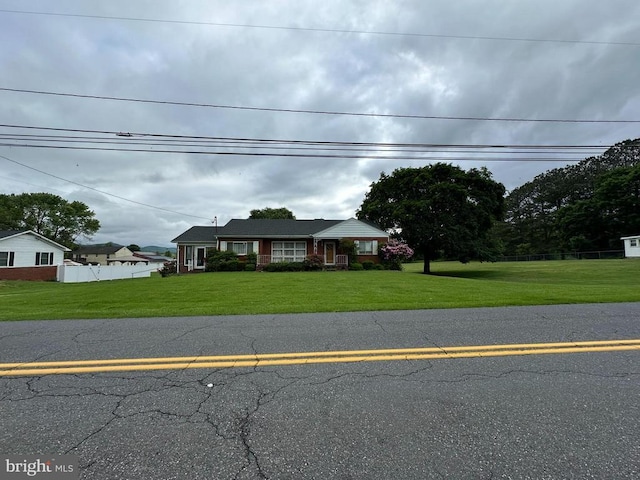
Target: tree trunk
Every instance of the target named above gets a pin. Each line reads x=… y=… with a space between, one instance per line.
x=427 y=261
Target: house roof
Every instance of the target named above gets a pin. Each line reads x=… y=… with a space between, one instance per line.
x=352 y=228
x=98 y=249
x=265 y=228
x=152 y=256
x=4 y=234
x=10 y=233
x=198 y=235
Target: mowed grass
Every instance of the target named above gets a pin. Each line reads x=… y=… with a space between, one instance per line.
x=453 y=285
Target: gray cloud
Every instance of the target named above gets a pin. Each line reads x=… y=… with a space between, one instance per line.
x=309 y=70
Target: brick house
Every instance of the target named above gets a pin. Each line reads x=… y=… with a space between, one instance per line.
x=279 y=240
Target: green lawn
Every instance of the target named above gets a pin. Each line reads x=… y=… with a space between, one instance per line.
x=453 y=285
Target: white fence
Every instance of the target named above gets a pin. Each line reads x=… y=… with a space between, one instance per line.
x=97 y=273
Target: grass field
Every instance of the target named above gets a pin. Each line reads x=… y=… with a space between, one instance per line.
x=453 y=285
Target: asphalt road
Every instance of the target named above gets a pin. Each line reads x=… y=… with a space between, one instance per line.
x=561 y=415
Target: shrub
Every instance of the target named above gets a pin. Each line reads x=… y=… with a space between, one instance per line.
x=169 y=268
x=356 y=266
x=252 y=258
x=348 y=247
x=394 y=253
x=313 y=263
x=378 y=266
x=221 y=261
x=368 y=265
x=250 y=267
x=228 y=266
x=284 y=267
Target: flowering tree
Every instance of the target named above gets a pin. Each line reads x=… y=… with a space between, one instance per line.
x=394 y=253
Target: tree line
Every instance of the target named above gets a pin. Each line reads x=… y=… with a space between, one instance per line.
x=582 y=207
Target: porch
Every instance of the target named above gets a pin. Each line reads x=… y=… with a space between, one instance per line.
x=338 y=262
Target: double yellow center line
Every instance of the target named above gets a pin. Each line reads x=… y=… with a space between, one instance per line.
x=304 y=358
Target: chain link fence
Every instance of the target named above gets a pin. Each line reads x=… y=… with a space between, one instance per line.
x=595 y=255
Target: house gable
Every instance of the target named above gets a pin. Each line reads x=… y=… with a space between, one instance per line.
x=352 y=228
x=27 y=255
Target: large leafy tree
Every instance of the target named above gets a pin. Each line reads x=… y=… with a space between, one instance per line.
x=49 y=215
x=272 y=213
x=438 y=209
x=612 y=212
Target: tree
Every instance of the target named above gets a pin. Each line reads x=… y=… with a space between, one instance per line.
x=612 y=212
x=538 y=212
x=439 y=209
x=134 y=248
x=49 y=215
x=272 y=213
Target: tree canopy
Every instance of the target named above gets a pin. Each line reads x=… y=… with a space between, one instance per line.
x=49 y=215
x=272 y=213
x=565 y=208
x=438 y=209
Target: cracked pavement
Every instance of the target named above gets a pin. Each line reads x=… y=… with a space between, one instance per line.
x=540 y=416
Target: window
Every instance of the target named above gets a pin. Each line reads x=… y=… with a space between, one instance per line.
x=367 y=247
x=6 y=259
x=288 y=251
x=633 y=242
x=188 y=254
x=240 y=248
x=44 y=258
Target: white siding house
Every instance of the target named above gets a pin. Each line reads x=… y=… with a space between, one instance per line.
x=631 y=246
x=27 y=255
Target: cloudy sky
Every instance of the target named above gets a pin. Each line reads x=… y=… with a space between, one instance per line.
x=194 y=73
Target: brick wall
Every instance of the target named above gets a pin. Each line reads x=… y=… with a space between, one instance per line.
x=29 y=273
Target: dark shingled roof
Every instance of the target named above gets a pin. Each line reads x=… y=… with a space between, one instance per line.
x=9 y=233
x=198 y=234
x=274 y=227
x=98 y=249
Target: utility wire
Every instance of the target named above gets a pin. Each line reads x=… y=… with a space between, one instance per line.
x=313 y=112
x=133 y=135
x=102 y=191
x=291 y=155
x=256 y=145
x=322 y=30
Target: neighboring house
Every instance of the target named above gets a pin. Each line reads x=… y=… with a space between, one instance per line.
x=102 y=254
x=153 y=258
x=27 y=255
x=631 y=246
x=280 y=241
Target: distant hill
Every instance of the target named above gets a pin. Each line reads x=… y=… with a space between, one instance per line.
x=160 y=250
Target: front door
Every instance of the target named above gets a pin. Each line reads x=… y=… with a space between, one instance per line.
x=330 y=253
x=200 y=257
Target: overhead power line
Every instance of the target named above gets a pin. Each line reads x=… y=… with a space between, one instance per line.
x=324 y=30
x=297 y=155
x=102 y=191
x=314 y=112
x=270 y=141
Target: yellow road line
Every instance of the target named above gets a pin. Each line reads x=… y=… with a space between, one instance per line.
x=302 y=358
